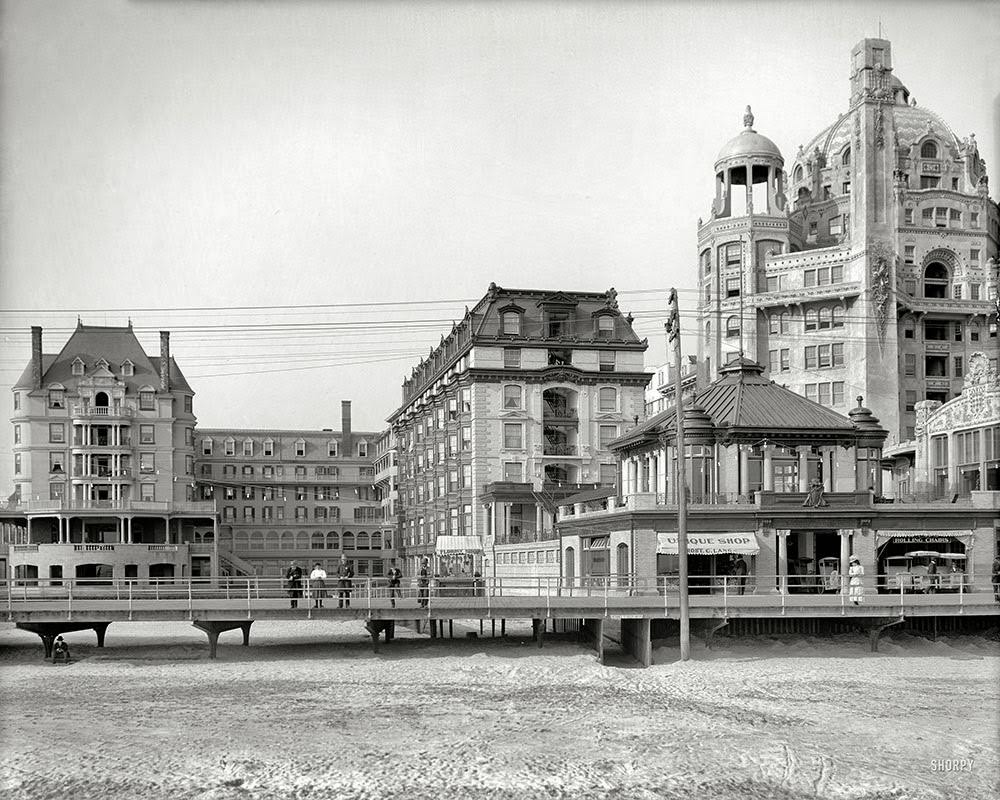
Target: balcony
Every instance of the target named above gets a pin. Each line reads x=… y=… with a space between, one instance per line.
x=556 y=411
x=159 y=506
x=559 y=449
x=104 y=474
x=83 y=411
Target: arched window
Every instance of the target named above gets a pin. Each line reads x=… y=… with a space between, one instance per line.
x=928 y=150
x=845 y=159
x=732 y=327
x=569 y=565
x=708 y=331
x=706 y=262
x=301 y=540
x=256 y=540
x=287 y=540
x=241 y=540
x=605 y=326
x=333 y=541
x=825 y=318
x=317 y=541
x=271 y=540
x=511 y=322
x=361 y=541
x=936 y=280
x=622 y=567
x=811 y=319
x=797 y=175
x=347 y=541
x=838 y=316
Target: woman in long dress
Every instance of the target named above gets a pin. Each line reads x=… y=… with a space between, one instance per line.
x=856 y=573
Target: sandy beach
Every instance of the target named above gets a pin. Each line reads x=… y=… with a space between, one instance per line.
x=309 y=711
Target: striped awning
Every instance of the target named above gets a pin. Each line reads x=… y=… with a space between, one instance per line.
x=457 y=544
x=599 y=543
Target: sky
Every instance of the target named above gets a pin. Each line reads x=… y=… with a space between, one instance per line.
x=306 y=194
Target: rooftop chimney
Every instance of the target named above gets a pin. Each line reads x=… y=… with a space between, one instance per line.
x=345 y=427
x=164 y=361
x=36 y=357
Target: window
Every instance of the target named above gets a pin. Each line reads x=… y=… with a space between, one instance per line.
x=607 y=434
x=955 y=218
x=929 y=182
x=57 y=491
x=147 y=492
x=706 y=262
x=936 y=330
x=836 y=223
x=268 y=447
x=57 y=398
x=17 y=463
x=362 y=449
x=230 y=446
x=845 y=159
x=958 y=367
x=774 y=283
x=732 y=327
x=511 y=396
x=513 y=436
x=785 y=360
x=958 y=331
x=188 y=404
x=189 y=465
x=941 y=218
x=954 y=184
x=248 y=513
x=228 y=470
x=300 y=447
x=733 y=287
x=608 y=474
x=838 y=393
x=910 y=400
x=57 y=433
x=605 y=326
x=606 y=360
x=56 y=462
x=845 y=189
x=928 y=150
x=838 y=317
x=206 y=470
x=733 y=254
x=17 y=434
x=608 y=400
x=974 y=255
x=147 y=434
x=909 y=253
x=466 y=437
x=146 y=463
x=147 y=399
x=956 y=292
x=77 y=368
x=512 y=357
x=908 y=216
x=973 y=291
x=513 y=471
x=557 y=324
x=17 y=401
x=973 y=219
x=811 y=320
x=511 y=323
x=128 y=368
x=206 y=446
x=248 y=447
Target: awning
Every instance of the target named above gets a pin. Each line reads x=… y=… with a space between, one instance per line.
x=709 y=543
x=599 y=543
x=965 y=536
x=458 y=544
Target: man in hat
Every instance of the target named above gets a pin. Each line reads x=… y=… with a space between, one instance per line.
x=345 y=582
x=424 y=582
x=293 y=578
x=932 y=576
x=60 y=650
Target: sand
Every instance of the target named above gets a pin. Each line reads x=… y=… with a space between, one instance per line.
x=309 y=711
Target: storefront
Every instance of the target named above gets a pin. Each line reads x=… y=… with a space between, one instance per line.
x=457 y=556
x=711 y=559
x=903 y=556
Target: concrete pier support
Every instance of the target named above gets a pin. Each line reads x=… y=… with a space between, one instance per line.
x=538 y=631
x=592 y=632
x=636 y=640
x=380 y=626
x=214 y=627
x=48 y=631
x=876 y=625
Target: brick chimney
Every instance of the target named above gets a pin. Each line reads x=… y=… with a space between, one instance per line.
x=347 y=446
x=164 y=361
x=36 y=357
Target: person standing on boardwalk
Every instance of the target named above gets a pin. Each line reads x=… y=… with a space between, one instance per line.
x=395 y=577
x=740 y=572
x=294 y=582
x=996 y=578
x=857 y=589
x=317 y=582
x=424 y=581
x=344 y=577
x=932 y=577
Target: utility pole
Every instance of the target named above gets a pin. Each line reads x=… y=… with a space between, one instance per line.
x=673 y=327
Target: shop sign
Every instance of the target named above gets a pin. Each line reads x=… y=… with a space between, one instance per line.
x=709 y=543
x=922 y=539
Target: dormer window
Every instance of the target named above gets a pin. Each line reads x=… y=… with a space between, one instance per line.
x=78 y=366
x=557 y=324
x=57 y=396
x=248 y=447
x=147 y=398
x=511 y=323
x=230 y=445
x=101 y=363
x=300 y=447
x=268 y=447
x=128 y=369
x=605 y=326
x=362 y=449
x=206 y=446
x=332 y=448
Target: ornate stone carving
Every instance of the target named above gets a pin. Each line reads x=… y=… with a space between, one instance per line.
x=882 y=259
x=748 y=119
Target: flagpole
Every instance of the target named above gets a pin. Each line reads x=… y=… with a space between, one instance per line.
x=674 y=338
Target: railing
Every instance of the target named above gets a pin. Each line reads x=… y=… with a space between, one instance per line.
x=614 y=593
x=162 y=506
x=559 y=449
x=558 y=412
x=86 y=410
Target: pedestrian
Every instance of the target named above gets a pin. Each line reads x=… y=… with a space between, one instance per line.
x=317 y=582
x=423 y=582
x=932 y=576
x=395 y=577
x=996 y=578
x=293 y=579
x=856 y=573
x=60 y=650
x=740 y=572
x=344 y=583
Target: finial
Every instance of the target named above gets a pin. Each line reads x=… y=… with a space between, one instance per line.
x=859 y=398
x=748 y=119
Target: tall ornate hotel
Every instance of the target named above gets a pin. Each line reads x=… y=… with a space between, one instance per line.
x=104 y=463
x=510 y=414
x=867 y=266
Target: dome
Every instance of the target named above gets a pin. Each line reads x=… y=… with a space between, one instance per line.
x=749 y=143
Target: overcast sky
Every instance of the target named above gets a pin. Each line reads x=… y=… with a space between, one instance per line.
x=173 y=161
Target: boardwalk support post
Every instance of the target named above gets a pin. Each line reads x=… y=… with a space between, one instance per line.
x=875 y=626
x=592 y=632
x=214 y=627
x=708 y=627
x=47 y=631
x=538 y=631
x=636 y=640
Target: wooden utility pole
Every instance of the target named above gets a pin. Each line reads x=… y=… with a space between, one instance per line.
x=673 y=327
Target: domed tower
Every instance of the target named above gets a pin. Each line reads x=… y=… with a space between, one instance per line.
x=748 y=223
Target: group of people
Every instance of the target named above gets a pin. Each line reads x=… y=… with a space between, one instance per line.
x=317 y=583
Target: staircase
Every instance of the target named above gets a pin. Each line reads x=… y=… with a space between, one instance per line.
x=232 y=565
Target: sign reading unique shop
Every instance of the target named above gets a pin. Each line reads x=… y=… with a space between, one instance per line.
x=709 y=543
